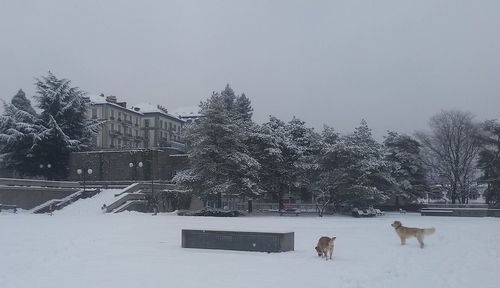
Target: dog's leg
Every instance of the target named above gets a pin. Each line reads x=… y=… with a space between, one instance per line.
x=403 y=240
x=420 y=239
x=331 y=253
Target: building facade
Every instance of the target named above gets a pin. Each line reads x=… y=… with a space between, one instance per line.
x=121 y=127
x=140 y=126
x=160 y=129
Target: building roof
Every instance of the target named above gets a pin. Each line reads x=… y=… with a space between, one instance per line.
x=187 y=112
x=148 y=108
x=101 y=100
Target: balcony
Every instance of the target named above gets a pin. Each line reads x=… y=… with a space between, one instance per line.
x=111 y=117
x=115 y=133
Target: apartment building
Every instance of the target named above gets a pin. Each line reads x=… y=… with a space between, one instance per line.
x=122 y=128
x=160 y=128
x=142 y=126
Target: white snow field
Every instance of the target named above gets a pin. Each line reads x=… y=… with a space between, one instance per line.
x=80 y=246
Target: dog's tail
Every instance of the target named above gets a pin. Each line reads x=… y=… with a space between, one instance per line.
x=429 y=231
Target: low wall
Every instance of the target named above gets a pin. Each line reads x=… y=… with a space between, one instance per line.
x=235 y=240
x=460 y=212
x=113 y=165
x=30 y=197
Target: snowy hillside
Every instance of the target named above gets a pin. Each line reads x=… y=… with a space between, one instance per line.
x=81 y=247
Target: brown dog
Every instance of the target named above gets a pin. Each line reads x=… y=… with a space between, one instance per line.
x=407 y=232
x=325 y=245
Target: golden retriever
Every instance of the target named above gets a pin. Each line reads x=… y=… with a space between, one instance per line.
x=407 y=232
x=325 y=246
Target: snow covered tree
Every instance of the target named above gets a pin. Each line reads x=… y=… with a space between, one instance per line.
x=53 y=147
x=244 y=107
x=220 y=160
x=286 y=153
x=301 y=153
x=408 y=169
x=18 y=132
x=68 y=106
x=28 y=140
x=266 y=143
x=451 y=150
x=489 y=161
x=353 y=171
x=22 y=103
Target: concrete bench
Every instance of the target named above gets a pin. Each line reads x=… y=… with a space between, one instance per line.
x=236 y=240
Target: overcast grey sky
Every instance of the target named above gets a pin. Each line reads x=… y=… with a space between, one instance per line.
x=393 y=62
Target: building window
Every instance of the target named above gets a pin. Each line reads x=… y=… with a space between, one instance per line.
x=112 y=114
x=112 y=127
x=146 y=122
x=119 y=116
x=94 y=113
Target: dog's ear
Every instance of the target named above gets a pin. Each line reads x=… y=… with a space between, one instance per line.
x=333 y=238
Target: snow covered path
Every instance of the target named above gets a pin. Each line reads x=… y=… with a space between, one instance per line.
x=81 y=247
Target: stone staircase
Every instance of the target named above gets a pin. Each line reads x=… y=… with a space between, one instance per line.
x=57 y=204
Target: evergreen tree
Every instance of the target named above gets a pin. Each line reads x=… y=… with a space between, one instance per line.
x=353 y=171
x=266 y=143
x=221 y=163
x=22 y=103
x=68 y=106
x=244 y=107
x=408 y=169
x=302 y=152
x=28 y=140
x=18 y=132
x=53 y=147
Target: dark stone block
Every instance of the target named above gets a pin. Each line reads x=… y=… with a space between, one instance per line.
x=241 y=241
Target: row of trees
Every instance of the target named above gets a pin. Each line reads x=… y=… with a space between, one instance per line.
x=30 y=140
x=231 y=155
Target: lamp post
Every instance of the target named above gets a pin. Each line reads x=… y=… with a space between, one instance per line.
x=152 y=183
x=47 y=166
x=80 y=172
x=131 y=165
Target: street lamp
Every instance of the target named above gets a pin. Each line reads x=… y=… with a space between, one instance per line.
x=48 y=166
x=131 y=165
x=80 y=172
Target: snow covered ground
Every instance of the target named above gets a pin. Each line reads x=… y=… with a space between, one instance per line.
x=80 y=246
